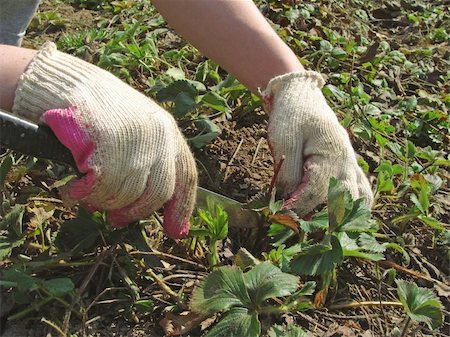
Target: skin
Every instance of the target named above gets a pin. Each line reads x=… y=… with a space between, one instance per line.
x=235 y=35
x=231 y=32
x=13 y=62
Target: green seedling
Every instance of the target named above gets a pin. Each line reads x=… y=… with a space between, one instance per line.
x=348 y=229
x=208 y=132
x=387 y=83
x=212 y=226
x=422 y=188
x=11 y=231
x=90 y=4
x=33 y=255
x=188 y=95
x=242 y=298
x=276 y=212
x=47 y=20
x=182 y=93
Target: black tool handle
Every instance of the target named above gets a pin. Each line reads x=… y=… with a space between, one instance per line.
x=32 y=139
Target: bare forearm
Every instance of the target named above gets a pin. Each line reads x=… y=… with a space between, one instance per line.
x=13 y=62
x=235 y=35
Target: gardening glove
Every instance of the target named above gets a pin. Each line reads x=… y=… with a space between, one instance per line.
x=305 y=132
x=130 y=150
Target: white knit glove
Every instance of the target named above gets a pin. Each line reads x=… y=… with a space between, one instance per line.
x=304 y=129
x=133 y=155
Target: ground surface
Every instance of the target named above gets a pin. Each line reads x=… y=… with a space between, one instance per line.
x=387 y=64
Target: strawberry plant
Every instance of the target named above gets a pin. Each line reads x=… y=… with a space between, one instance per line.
x=286 y=331
x=420 y=304
x=347 y=230
x=242 y=297
x=33 y=291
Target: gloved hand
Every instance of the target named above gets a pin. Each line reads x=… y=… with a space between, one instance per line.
x=133 y=155
x=304 y=129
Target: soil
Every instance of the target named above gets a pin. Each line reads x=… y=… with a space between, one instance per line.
x=238 y=163
x=71 y=19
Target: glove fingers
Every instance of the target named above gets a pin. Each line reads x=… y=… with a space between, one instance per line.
x=289 y=150
x=179 y=208
x=290 y=173
x=313 y=188
x=100 y=187
x=158 y=189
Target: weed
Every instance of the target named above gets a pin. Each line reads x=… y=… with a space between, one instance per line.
x=48 y=20
x=210 y=225
x=347 y=231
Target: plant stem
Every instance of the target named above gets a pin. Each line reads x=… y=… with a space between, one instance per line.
x=128 y=281
x=406 y=327
x=273 y=310
x=53 y=262
x=405 y=217
x=54 y=326
x=164 y=287
x=83 y=286
x=364 y=304
x=213 y=256
x=37 y=245
x=30 y=308
x=41 y=230
x=275 y=174
x=60 y=300
x=169 y=256
x=391 y=264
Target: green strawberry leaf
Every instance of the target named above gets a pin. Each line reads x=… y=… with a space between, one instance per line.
x=265 y=281
x=237 y=322
x=223 y=289
x=421 y=304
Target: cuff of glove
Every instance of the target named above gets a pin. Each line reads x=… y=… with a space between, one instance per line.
x=275 y=84
x=291 y=82
x=50 y=81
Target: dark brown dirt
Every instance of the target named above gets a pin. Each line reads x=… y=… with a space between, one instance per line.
x=238 y=163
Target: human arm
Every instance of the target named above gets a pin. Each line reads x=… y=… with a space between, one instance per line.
x=13 y=62
x=235 y=35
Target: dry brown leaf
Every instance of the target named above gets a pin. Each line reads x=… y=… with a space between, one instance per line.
x=285 y=220
x=320 y=297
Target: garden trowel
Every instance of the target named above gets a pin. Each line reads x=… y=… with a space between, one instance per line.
x=39 y=141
